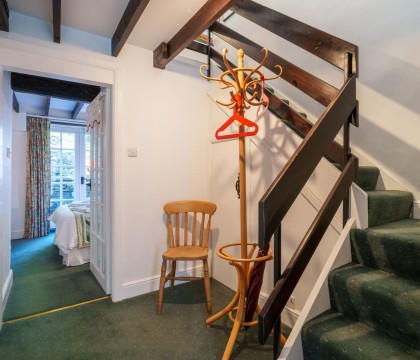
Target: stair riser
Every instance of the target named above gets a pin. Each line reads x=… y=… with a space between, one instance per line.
x=388 y=206
x=382 y=301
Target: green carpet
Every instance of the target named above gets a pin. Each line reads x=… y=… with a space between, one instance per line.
x=379 y=299
x=131 y=330
x=41 y=282
x=392 y=247
x=105 y=330
x=375 y=300
x=334 y=336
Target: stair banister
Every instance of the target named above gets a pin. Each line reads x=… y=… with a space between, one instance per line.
x=288 y=280
x=277 y=200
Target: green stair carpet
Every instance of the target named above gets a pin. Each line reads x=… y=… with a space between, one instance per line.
x=375 y=300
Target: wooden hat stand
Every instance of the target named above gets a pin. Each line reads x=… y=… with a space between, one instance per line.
x=240 y=101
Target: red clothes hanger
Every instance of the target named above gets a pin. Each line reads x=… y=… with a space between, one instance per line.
x=237 y=117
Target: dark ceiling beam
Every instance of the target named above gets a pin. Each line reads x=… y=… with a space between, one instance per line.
x=131 y=15
x=47 y=105
x=52 y=87
x=4 y=16
x=203 y=18
x=56 y=20
x=77 y=109
x=15 y=103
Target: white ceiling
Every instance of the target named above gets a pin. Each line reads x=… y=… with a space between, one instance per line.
x=34 y=104
x=159 y=22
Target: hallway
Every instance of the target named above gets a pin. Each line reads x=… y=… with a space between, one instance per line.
x=129 y=329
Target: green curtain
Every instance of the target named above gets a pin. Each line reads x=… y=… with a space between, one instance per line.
x=38 y=177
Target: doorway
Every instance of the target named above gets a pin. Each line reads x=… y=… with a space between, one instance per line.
x=62 y=64
x=65 y=184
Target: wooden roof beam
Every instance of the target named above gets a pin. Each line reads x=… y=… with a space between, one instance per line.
x=4 y=16
x=47 y=105
x=203 y=18
x=131 y=15
x=77 y=109
x=56 y=20
x=15 y=103
x=53 y=87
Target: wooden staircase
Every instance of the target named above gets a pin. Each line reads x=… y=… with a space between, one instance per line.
x=318 y=139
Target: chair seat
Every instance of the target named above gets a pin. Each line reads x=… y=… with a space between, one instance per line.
x=186 y=253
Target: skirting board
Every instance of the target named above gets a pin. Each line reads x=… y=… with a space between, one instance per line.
x=17 y=234
x=147 y=285
x=7 y=287
x=289 y=316
x=416 y=209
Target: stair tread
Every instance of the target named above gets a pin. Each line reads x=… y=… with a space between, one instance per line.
x=392 y=247
x=332 y=335
x=388 y=192
x=378 y=298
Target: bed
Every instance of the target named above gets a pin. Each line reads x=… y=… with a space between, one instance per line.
x=72 y=232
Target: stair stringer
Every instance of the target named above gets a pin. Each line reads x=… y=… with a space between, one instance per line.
x=359 y=206
x=319 y=298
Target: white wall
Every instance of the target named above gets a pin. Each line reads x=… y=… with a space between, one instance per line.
x=18 y=175
x=165 y=117
x=5 y=183
x=389 y=62
x=163 y=114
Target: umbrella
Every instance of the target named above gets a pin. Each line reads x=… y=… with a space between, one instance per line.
x=255 y=283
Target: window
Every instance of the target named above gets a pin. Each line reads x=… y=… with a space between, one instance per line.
x=70 y=159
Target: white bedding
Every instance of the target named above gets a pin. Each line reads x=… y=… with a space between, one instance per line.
x=66 y=237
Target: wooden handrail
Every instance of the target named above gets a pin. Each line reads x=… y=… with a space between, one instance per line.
x=315 y=41
x=275 y=303
x=277 y=200
x=314 y=87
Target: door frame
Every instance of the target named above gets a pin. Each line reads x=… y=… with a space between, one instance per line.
x=45 y=59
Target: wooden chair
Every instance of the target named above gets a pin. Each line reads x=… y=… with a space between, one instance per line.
x=189 y=224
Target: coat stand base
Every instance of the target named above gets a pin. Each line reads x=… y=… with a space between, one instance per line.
x=237 y=303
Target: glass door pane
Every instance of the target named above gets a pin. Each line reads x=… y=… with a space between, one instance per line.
x=69 y=151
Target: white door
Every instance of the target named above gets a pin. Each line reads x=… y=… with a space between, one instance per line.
x=100 y=191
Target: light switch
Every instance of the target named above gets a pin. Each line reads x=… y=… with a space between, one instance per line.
x=132 y=152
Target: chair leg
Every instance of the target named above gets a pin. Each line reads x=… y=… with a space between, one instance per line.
x=207 y=285
x=173 y=270
x=161 y=287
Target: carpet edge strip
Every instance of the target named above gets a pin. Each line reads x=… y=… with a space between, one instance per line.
x=55 y=310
